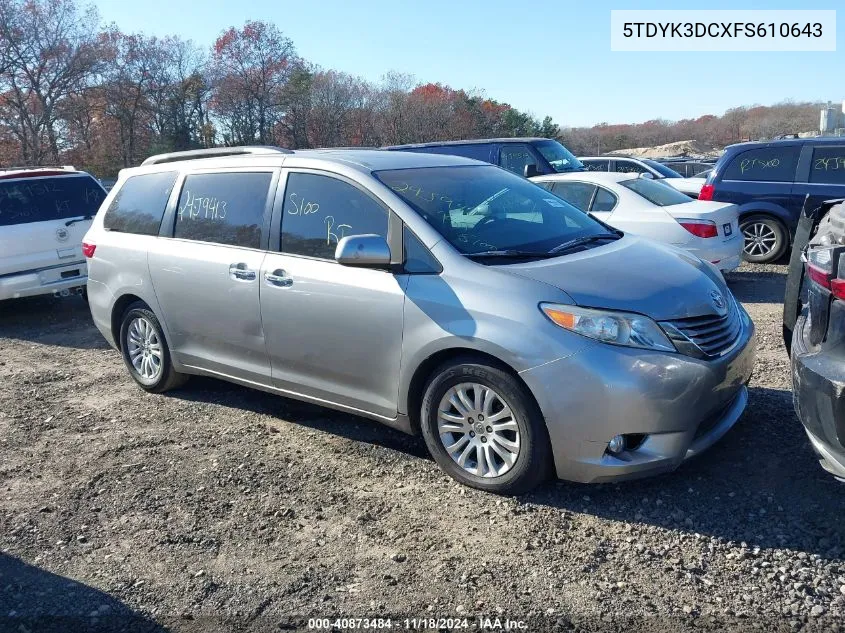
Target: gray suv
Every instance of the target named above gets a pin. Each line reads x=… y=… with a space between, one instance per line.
x=436 y=294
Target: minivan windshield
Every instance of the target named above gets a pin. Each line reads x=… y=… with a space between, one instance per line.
x=487 y=210
x=656 y=192
x=558 y=156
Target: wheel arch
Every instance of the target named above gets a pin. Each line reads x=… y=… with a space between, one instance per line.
x=118 y=310
x=424 y=370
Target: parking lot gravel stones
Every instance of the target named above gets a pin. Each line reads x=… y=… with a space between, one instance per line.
x=218 y=508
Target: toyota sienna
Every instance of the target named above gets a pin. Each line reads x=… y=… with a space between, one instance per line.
x=437 y=294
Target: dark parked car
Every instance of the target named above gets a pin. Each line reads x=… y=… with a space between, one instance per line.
x=524 y=156
x=769 y=181
x=814 y=330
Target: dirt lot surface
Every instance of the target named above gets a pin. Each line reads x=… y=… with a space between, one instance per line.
x=217 y=508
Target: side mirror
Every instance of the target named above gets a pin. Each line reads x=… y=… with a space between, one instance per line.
x=647 y=174
x=530 y=171
x=363 y=251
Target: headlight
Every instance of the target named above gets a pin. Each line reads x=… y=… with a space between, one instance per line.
x=607 y=326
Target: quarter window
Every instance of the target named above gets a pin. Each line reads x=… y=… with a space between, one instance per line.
x=577 y=194
x=223 y=208
x=139 y=204
x=604 y=201
x=320 y=210
x=768 y=164
x=828 y=165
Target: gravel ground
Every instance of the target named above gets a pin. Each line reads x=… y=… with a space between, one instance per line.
x=218 y=508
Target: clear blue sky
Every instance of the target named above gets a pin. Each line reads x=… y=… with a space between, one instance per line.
x=546 y=58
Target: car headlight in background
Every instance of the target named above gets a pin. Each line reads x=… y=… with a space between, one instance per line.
x=607 y=326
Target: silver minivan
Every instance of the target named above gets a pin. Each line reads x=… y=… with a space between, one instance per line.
x=436 y=294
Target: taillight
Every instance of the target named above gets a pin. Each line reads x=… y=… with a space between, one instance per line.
x=700 y=228
x=820 y=271
x=706 y=192
x=88 y=249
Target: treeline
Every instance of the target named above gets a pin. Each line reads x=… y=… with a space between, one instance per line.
x=74 y=92
x=755 y=122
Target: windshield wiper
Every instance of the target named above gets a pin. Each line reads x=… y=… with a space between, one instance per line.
x=75 y=220
x=509 y=253
x=580 y=241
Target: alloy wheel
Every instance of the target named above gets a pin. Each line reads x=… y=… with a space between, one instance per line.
x=478 y=430
x=760 y=238
x=144 y=348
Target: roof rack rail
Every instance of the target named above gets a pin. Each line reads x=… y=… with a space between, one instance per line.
x=215 y=152
x=26 y=167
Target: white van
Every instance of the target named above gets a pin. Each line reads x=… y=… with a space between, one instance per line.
x=44 y=212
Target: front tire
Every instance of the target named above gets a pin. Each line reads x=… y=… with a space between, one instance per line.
x=484 y=429
x=765 y=238
x=145 y=351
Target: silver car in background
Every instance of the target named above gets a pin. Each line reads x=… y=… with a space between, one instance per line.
x=436 y=294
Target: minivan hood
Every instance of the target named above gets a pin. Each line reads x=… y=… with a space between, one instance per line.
x=632 y=274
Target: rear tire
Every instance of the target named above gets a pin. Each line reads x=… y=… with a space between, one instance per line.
x=145 y=351
x=493 y=437
x=766 y=238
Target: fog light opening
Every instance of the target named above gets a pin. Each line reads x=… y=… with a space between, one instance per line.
x=616 y=445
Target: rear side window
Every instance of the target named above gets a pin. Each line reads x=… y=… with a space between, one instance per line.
x=596 y=165
x=577 y=194
x=139 y=204
x=44 y=199
x=319 y=211
x=630 y=167
x=828 y=165
x=515 y=156
x=223 y=208
x=768 y=164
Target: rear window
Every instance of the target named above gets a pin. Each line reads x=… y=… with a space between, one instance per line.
x=655 y=192
x=767 y=164
x=139 y=204
x=49 y=198
x=828 y=165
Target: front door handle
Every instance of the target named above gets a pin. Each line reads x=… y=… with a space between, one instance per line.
x=239 y=272
x=278 y=278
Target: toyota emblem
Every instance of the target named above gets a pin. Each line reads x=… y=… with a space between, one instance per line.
x=62 y=234
x=718 y=299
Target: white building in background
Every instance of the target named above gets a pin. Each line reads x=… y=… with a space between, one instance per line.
x=832 y=120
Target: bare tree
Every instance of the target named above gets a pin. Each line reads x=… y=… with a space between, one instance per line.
x=50 y=52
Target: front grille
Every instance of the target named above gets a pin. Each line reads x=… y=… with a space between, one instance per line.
x=711 y=334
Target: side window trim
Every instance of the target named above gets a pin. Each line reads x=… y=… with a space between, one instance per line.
x=805 y=161
x=277 y=225
x=168 y=222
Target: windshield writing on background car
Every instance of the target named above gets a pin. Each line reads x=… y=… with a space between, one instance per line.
x=484 y=208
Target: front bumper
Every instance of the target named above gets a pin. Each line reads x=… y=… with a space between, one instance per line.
x=54 y=279
x=818 y=393
x=681 y=404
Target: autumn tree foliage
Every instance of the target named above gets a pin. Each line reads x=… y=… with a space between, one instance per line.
x=74 y=91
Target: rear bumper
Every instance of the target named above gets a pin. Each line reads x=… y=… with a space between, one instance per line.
x=818 y=393
x=44 y=281
x=725 y=255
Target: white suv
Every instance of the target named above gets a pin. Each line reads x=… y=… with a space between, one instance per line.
x=44 y=212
